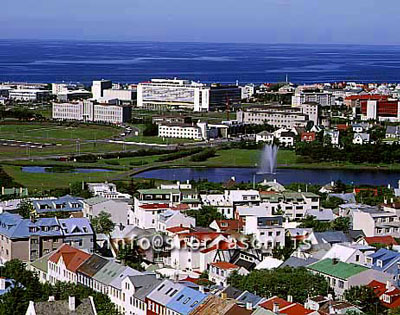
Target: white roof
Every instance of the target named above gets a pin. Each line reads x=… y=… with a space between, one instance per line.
x=340 y=251
x=269 y=263
x=258 y=211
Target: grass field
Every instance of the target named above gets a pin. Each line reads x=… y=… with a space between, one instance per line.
x=53 y=180
x=46 y=132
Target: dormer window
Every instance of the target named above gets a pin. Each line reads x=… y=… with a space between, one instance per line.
x=379 y=263
x=386 y=298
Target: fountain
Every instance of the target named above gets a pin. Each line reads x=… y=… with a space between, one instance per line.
x=268 y=159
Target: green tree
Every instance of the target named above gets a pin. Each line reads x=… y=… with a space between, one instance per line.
x=26 y=208
x=130 y=256
x=365 y=298
x=78 y=189
x=205 y=216
x=103 y=223
x=297 y=282
x=341 y=224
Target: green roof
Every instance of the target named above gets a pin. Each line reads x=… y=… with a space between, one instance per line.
x=95 y=200
x=158 y=191
x=22 y=192
x=339 y=270
x=41 y=263
x=190 y=200
x=109 y=272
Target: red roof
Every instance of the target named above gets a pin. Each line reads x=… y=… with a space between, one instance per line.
x=178 y=229
x=181 y=207
x=72 y=257
x=223 y=245
x=229 y=225
x=152 y=206
x=295 y=309
x=285 y=307
x=224 y=265
x=386 y=240
x=308 y=136
x=380 y=289
x=269 y=304
x=367 y=97
x=358 y=190
x=342 y=127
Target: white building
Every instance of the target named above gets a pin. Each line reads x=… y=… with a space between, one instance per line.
x=304 y=96
x=268 y=231
x=173 y=218
x=376 y=223
x=173 y=94
x=98 y=88
x=122 y=95
x=219 y=272
x=350 y=253
x=28 y=95
x=118 y=209
x=181 y=131
x=106 y=190
x=88 y=111
x=361 y=138
x=264 y=136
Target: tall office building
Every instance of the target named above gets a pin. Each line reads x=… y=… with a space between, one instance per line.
x=98 y=88
x=184 y=94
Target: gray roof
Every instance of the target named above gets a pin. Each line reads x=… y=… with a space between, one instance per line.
x=231 y=292
x=83 y=307
x=165 y=292
x=248 y=297
x=298 y=262
x=331 y=237
x=144 y=284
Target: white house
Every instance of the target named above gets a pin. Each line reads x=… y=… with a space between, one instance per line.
x=350 y=253
x=219 y=272
x=361 y=138
x=264 y=136
x=173 y=218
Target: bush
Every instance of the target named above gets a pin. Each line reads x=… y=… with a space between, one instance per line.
x=179 y=154
x=203 y=156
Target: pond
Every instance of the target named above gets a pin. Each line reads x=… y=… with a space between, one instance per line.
x=49 y=169
x=284 y=176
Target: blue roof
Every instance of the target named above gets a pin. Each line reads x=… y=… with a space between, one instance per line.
x=14 y=226
x=9 y=284
x=75 y=226
x=386 y=256
x=66 y=203
x=248 y=297
x=186 y=300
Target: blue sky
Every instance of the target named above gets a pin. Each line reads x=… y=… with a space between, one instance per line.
x=257 y=21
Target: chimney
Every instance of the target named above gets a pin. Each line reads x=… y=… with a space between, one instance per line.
x=71 y=303
x=290 y=298
x=51 y=298
x=201 y=288
x=388 y=285
x=275 y=308
x=335 y=261
x=223 y=296
x=391 y=200
x=2 y=283
x=249 y=306
x=330 y=296
x=275 y=180
x=2 y=190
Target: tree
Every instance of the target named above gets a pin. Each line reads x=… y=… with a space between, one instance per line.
x=103 y=223
x=297 y=282
x=365 y=298
x=28 y=288
x=26 y=208
x=130 y=256
x=205 y=216
x=78 y=189
x=285 y=252
x=341 y=224
x=150 y=130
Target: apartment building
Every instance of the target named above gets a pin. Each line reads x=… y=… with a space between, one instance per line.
x=303 y=96
x=376 y=223
x=89 y=111
x=184 y=94
x=180 y=130
x=280 y=117
x=28 y=240
x=380 y=110
x=293 y=205
x=28 y=95
x=268 y=231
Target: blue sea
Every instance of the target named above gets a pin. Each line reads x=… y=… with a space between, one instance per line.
x=130 y=62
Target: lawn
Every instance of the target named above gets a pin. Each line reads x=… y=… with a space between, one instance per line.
x=53 y=180
x=48 y=132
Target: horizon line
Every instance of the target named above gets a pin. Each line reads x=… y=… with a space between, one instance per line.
x=189 y=42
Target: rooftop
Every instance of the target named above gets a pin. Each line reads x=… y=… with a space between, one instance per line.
x=336 y=268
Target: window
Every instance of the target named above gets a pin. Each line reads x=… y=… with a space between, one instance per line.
x=341 y=284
